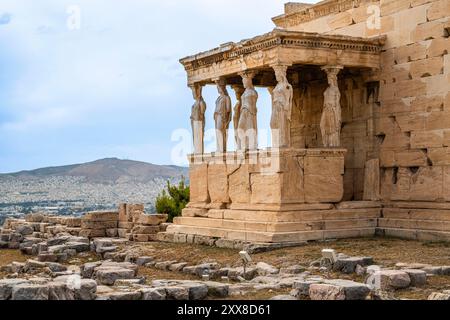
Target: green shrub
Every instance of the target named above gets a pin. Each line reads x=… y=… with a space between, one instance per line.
x=173 y=200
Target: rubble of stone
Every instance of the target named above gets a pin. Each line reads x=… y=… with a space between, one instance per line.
x=130 y=223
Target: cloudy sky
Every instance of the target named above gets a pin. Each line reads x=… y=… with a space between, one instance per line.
x=109 y=84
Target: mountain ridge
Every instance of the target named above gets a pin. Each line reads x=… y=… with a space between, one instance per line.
x=107 y=170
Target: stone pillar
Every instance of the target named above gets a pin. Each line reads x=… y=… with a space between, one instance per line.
x=248 y=127
x=239 y=91
x=222 y=115
x=198 y=119
x=331 y=122
x=282 y=97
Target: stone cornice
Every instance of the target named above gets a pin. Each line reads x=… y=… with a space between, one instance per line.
x=281 y=38
x=316 y=11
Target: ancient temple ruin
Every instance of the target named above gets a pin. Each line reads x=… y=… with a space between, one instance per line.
x=360 y=127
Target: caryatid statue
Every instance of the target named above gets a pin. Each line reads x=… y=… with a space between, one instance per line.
x=238 y=90
x=198 y=119
x=282 y=98
x=331 y=122
x=247 y=127
x=222 y=116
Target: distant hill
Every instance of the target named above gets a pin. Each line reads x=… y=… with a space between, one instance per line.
x=110 y=170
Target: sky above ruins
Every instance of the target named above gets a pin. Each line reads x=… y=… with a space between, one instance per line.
x=87 y=79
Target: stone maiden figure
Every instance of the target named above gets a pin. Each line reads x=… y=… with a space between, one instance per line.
x=282 y=97
x=247 y=128
x=198 y=119
x=222 y=116
x=331 y=122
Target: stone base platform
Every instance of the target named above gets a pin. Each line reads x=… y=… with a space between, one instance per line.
x=284 y=224
x=423 y=221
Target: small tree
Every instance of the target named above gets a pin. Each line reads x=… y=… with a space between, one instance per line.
x=173 y=200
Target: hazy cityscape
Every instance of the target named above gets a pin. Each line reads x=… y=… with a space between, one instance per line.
x=102 y=186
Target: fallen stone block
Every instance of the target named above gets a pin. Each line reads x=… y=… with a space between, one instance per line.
x=217 y=289
x=78 y=246
x=197 y=291
x=140 y=237
x=141 y=261
x=283 y=297
x=30 y=292
x=390 y=279
x=296 y=269
x=142 y=229
x=98 y=225
x=59 y=291
x=101 y=216
x=153 y=294
x=433 y=270
x=263 y=269
x=122 y=296
x=47 y=257
x=113 y=233
x=348 y=265
x=6 y=286
x=164 y=265
x=87 y=269
x=34 y=217
x=3 y=244
x=418 y=277
x=301 y=287
x=320 y=291
x=108 y=276
x=56 y=267
x=25 y=230
x=91 y=233
x=177 y=293
x=177 y=267
x=440 y=296
x=151 y=220
x=129 y=282
x=103 y=250
x=86 y=290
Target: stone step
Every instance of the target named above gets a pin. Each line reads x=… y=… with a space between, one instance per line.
x=414 y=234
x=270 y=237
x=288 y=216
x=417 y=214
x=414 y=224
x=277 y=226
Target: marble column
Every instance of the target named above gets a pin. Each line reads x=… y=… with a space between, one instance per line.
x=282 y=99
x=331 y=122
x=247 y=126
x=222 y=115
x=198 y=119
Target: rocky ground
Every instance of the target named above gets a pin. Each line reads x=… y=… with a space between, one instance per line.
x=66 y=267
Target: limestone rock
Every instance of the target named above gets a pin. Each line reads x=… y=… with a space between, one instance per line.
x=177 y=293
x=6 y=286
x=392 y=279
x=153 y=294
x=283 y=297
x=265 y=269
x=30 y=292
x=348 y=265
x=60 y=291
x=107 y=276
x=217 y=289
x=141 y=261
x=440 y=296
x=418 y=277
x=338 y=290
x=301 y=287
